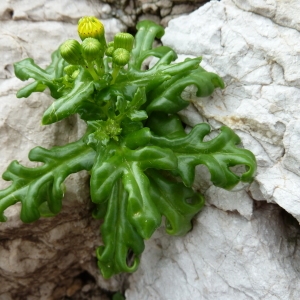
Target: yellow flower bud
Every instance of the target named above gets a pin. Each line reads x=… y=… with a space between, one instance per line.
x=123 y=40
x=70 y=51
x=90 y=27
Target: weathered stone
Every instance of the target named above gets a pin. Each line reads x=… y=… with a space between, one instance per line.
x=238 y=249
x=165 y=11
x=180 y=9
x=57 y=10
x=106 y=9
x=284 y=12
x=165 y=21
x=149 y=8
x=225 y=256
x=291 y=142
x=164 y=3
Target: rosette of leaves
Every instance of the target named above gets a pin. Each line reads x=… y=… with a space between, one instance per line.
x=141 y=160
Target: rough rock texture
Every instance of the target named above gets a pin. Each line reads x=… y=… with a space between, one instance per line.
x=239 y=248
x=160 y=11
x=43 y=260
x=282 y=12
x=224 y=257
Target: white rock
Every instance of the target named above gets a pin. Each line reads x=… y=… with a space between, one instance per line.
x=281 y=186
x=291 y=141
x=230 y=201
x=281 y=12
x=223 y=257
x=55 y=10
x=239 y=249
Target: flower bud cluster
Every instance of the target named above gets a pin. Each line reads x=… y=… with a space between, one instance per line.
x=120 y=48
x=78 y=54
x=90 y=53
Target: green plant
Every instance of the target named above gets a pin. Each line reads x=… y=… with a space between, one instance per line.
x=141 y=160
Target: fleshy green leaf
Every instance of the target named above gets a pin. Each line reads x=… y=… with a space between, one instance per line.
x=114 y=163
x=138 y=115
x=218 y=154
x=167 y=98
x=175 y=201
x=27 y=69
x=70 y=103
x=147 y=32
x=118 y=178
x=119 y=239
x=34 y=186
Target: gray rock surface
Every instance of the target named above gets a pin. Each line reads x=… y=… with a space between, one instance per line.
x=282 y=12
x=160 y=11
x=225 y=256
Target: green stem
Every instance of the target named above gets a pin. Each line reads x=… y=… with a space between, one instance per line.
x=92 y=71
x=115 y=73
x=100 y=67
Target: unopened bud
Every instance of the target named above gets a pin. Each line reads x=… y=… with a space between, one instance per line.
x=91 y=49
x=120 y=57
x=123 y=40
x=70 y=51
x=109 y=51
x=70 y=69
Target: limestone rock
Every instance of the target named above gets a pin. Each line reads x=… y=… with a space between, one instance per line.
x=284 y=12
x=238 y=248
x=225 y=256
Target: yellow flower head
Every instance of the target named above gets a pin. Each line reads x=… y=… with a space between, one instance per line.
x=90 y=27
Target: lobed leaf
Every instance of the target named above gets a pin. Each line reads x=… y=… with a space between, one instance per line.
x=26 y=69
x=34 y=186
x=70 y=103
x=119 y=239
x=167 y=97
x=178 y=203
x=218 y=154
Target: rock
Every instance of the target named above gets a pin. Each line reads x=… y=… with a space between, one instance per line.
x=180 y=9
x=165 y=11
x=239 y=248
x=291 y=142
x=149 y=8
x=57 y=10
x=225 y=256
x=284 y=13
x=164 y=3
